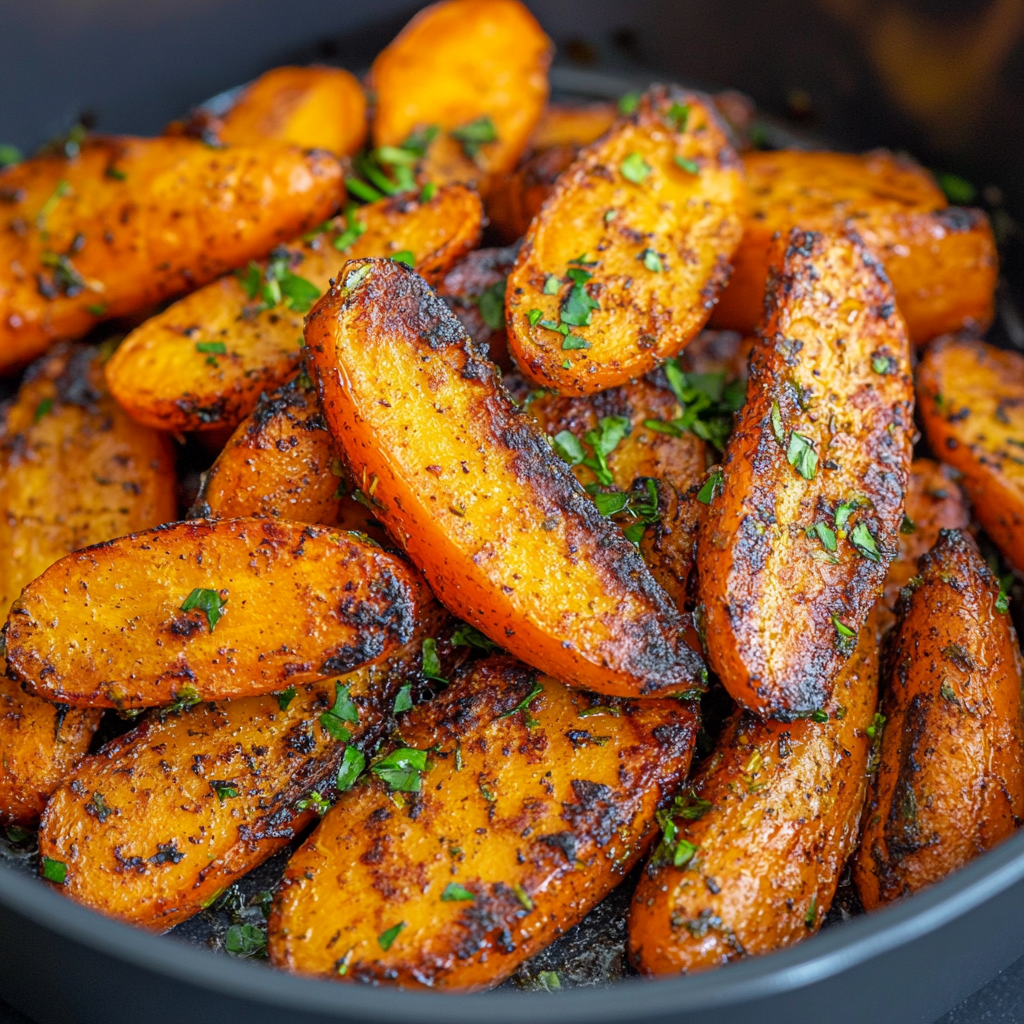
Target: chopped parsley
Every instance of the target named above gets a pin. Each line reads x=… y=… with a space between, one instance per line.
x=185 y=698
x=628 y=102
x=63 y=189
x=573 y=342
x=344 y=710
x=217 y=348
x=42 y=409
x=865 y=543
x=466 y=636
x=10 y=155
x=428 y=192
x=551 y=285
x=245 y=940
x=811 y=917
x=825 y=534
x=403 y=701
x=550 y=981
x=844 y=510
x=524 y=706
x=802 y=456
x=431 y=662
x=874 y=730
x=708 y=404
x=818 y=716
x=352 y=764
x=635 y=168
x=474 y=134
x=401 y=769
x=907 y=525
x=610 y=431
x=492 y=305
x=207 y=601
x=690 y=166
x=652 y=260
x=320 y=804
x=959 y=191
x=404 y=256
x=1003 y=599
x=278 y=284
x=578 y=305
x=225 y=789
x=679 y=116
x=55 y=871
x=841 y=628
x=608 y=504
x=777 y=428
x=285 y=697
x=354 y=230
x=523 y=896
x=455 y=893
x=712 y=488
x=883 y=364
x=534 y=316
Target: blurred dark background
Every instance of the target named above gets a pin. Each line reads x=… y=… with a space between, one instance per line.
x=943 y=79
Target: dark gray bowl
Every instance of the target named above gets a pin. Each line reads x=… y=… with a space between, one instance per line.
x=135 y=66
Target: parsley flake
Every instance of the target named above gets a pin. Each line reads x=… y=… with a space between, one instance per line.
x=404 y=256
x=841 y=628
x=628 y=102
x=492 y=305
x=344 y=710
x=825 y=534
x=217 y=348
x=777 y=429
x=883 y=364
x=401 y=769
x=474 y=134
x=285 y=697
x=712 y=488
x=635 y=168
x=207 y=601
x=466 y=636
x=320 y=804
x=352 y=764
x=652 y=260
x=811 y=917
x=55 y=871
x=690 y=166
x=534 y=316
x=245 y=940
x=42 y=409
x=455 y=893
x=225 y=789
x=354 y=230
x=403 y=701
x=550 y=981
x=431 y=662
x=524 y=706
x=573 y=342
x=679 y=116
x=865 y=543
x=551 y=285
x=802 y=456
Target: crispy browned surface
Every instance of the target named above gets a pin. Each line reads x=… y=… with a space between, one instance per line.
x=132 y=221
x=573 y=124
x=538 y=813
x=74 y=470
x=162 y=378
x=971 y=397
x=454 y=63
x=950 y=780
x=774 y=597
x=281 y=462
x=942 y=261
x=310 y=107
x=785 y=804
x=934 y=502
x=689 y=222
x=103 y=627
x=463 y=287
x=468 y=485
x=140 y=825
x=668 y=548
x=516 y=198
x=679 y=461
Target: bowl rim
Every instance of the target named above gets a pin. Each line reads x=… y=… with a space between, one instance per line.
x=821 y=957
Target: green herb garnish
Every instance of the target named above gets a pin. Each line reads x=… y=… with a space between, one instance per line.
x=285 y=697
x=635 y=168
x=652 y=260
x=455 y=893
x=802 y=456
x=711 y=488
x=403 y=701
x=690 y=166
x=865 y=543
x=841 y=628
x=431 y=662
x=245 y=940
x=352 y=764
x=474 y=134
x=344 y=710
x=401 y=769
x=55 y=871
x=492 y=305
x=207 y=601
